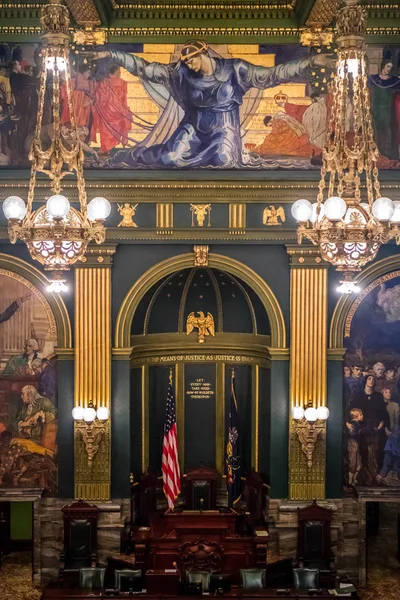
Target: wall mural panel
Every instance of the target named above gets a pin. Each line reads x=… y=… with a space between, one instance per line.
x=193 y=105
x=28 y=387
x=372 y=386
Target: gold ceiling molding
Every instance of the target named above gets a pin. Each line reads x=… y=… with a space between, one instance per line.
x=203 y=31
x=185 y=261
x=343 y=309
x=323 y=12
x=217 y=5
x=84 y=12
x=55 y=302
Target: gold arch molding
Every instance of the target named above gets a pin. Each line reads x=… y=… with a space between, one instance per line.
x=185 y=261
x=52 y=303
x=376 y=274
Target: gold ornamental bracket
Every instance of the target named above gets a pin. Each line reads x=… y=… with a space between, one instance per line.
x=316 y=36
x=309 y=425
x=200 y=256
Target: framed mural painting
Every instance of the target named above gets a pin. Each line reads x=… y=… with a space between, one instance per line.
x=28 y=387
x=194 y=106
x=372 y=386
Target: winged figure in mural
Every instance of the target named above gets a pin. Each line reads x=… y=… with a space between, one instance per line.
x=205 y=325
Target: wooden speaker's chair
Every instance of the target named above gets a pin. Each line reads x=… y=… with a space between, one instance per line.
x=201 y=488
x=80 y=540
x=314 y=542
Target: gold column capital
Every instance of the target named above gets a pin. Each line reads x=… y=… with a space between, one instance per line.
x=278 y=353
x=300 y=256
x=65 y=353
x=336 y=353
x=98 y=256
x=122 y=353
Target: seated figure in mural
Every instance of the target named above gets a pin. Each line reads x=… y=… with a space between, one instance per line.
x=202 y=94
x=25 y=364
x=35 y=412
x=385 y=108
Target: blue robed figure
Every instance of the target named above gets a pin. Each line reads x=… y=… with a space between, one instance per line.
x=209 y=91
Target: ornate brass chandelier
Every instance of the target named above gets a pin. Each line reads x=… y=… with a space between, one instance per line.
x=56 y=234
x=349 y=229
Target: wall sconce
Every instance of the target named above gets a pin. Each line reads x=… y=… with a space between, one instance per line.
x=91 y=425
x=309 y=424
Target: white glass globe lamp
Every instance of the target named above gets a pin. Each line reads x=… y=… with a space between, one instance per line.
x=302 y=210
x=383 y=209
x=395 y=218
x=297 y=413
x=98 y=209
x=335 y=208
x=323 y=413
x=14 y=208
x=77 y=413
x=103 y=413
x=58 y=206
x=311 y=414
x=89 y=414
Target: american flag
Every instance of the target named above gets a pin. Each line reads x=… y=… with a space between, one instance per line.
x=170 y=464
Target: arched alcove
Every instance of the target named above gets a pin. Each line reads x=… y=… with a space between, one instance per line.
x=153 y=323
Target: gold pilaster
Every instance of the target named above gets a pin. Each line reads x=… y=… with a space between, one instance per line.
x=308 y=352
x=93 y=369
x=164 y=218
x=220 y=418
x=237 y=219
x=255 y=374
x=145 y=418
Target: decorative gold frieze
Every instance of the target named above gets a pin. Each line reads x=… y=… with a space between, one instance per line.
x=92 y=376
x=201 y=256
x=204 y=324
x=164 y=217
x=273 y=216
x=316 y=36
x=127 y=212
x=308 y=348
x=90 y=37
x=199 y=214
x=308 y=434
x=237 y=217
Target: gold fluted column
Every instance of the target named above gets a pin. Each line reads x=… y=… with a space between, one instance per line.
x=308 y=361
x=93 y=369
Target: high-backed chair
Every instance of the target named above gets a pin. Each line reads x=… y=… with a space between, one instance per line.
x=92 y=578
x=314 y=542
x=201 y=488
x=126 y=578
x=252 y=579
x=80 y=540
x=306 y=578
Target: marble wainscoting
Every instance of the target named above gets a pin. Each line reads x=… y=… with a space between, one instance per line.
x=48 y=543
x=345 y=532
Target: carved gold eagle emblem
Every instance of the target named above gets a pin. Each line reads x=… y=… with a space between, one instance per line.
x=205 y=325
x=271 y=215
